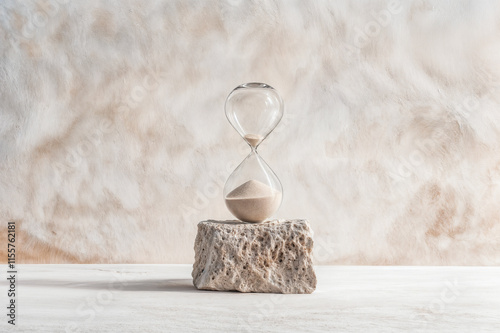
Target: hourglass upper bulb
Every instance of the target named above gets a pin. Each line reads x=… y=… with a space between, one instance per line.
x=254 y=110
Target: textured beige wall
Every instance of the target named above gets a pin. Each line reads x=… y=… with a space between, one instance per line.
x=114 y=143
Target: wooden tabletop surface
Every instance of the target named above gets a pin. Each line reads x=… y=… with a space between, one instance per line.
x=161 y=298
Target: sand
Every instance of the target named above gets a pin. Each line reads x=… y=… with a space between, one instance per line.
x=253 y=201
x=253 y=139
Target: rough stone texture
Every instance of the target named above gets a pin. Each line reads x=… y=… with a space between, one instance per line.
x=268 y=257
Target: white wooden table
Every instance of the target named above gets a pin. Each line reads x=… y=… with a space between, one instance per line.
x=161 y=298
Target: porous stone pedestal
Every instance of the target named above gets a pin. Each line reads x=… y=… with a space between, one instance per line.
x=267 y=257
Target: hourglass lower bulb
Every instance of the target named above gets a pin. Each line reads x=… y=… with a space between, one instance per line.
x=253 y=192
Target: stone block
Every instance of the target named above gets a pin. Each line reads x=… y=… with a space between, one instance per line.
x=268 y=257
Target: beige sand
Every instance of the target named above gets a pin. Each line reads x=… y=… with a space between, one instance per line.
x=253 y=201
x=253 y=139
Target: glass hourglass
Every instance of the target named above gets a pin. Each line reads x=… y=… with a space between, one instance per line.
x=253 y=192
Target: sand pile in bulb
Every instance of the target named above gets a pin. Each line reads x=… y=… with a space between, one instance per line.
x=253 y=201
x=253 y=139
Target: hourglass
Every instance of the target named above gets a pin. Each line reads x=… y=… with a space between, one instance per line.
x=253 y=192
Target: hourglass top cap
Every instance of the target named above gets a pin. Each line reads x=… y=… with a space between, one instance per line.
x=254 y=85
